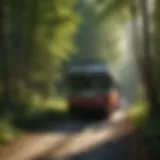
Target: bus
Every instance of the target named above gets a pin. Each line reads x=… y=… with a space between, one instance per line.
x=93 y=89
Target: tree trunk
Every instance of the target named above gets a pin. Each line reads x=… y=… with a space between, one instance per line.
x=147 y=65
x=4 y=67
x=156 y=57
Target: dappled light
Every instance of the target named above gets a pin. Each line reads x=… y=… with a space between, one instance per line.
x=79 y=79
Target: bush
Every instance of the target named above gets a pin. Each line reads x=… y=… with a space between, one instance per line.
x=139 y=114
x=26 y=118
x=7 y=132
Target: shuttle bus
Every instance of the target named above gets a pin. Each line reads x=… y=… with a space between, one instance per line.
x=92 y=89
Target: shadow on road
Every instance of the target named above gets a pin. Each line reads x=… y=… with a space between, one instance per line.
x=76 y=124
x=78 y=139
x=104 y=141
x=124 y=148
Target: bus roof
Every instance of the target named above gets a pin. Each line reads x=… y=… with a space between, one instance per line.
x=94 y=68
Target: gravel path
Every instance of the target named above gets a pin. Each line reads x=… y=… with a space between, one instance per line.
x=78 y=140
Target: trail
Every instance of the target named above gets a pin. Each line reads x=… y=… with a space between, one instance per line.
x=77 y=139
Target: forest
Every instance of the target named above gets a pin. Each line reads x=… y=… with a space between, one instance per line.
x=40 y=39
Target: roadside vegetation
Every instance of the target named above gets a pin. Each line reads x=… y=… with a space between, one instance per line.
x=39 y=40
x=40 y=117
x=139 y=115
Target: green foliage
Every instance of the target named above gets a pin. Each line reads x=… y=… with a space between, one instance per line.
x=40 y=37
x=97 y=40
x=41 y=116
x=38 y=119
x=7 y=131
x=139 y=114
x=110 y=7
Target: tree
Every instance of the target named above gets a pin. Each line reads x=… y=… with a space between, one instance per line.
x=147 y=67
x=39 y=37
x=112 y=7
x=96 y=40
x=4 y=58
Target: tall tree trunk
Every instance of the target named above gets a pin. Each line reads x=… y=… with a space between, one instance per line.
x=147 y=65
x=4 y=67
x=156 y=53
x=32 y=19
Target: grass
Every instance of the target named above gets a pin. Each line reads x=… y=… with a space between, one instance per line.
x=58 y=104
x=26 y=119
x=149 y=127
x=8 y=132
x=44 y=114
x=139 y=115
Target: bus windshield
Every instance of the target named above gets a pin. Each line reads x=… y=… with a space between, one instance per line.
x=92 y=83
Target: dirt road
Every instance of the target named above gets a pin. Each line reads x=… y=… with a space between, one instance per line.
x=77 y=140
